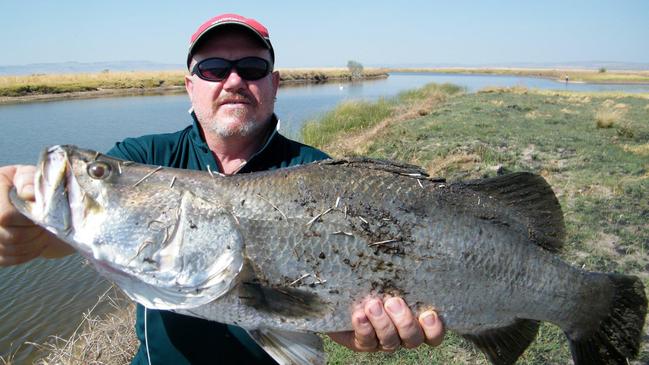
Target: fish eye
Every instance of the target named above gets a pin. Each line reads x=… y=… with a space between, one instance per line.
x=98 y=170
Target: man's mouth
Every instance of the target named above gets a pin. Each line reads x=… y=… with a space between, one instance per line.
x=234 y=102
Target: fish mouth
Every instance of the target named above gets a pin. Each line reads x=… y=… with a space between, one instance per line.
x=52 y=206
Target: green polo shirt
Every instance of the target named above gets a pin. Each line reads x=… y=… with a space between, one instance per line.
x=171 y=338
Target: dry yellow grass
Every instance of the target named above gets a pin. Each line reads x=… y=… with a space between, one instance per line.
x=357 y=143
x=27 y=88
x=642 y=150
x=569 y=111
x=519 y=90
x=606 y=118
x=574 y=75
x=98 y=340
x=91 y=78
x=457 y=161
x=326 y=74
x=610 y=113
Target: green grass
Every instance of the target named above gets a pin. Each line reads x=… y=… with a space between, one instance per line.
x=355 y=116
x=600 y=175
x=347 y=117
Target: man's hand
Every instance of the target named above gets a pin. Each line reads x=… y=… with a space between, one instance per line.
x=386 y=326
x=20 y=239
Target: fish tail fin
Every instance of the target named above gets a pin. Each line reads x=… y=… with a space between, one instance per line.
x=617 y=337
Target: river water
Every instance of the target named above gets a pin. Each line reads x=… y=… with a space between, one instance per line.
x=47 y=297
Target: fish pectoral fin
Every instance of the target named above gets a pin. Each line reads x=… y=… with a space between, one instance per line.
x=290 y=348
x=505 y=345
x=283 y=301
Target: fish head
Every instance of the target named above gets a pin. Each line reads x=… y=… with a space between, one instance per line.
x=144 y=236
x=72 y=188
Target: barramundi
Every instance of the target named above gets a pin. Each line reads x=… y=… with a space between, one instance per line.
x=286 y=253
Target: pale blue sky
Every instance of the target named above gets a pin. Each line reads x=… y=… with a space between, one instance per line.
x=328 y=33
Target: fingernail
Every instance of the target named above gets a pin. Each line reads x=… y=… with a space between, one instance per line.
x=26 y=191
x=429 y=319
x=395 y=305
x=363 y=319
x=376 y=308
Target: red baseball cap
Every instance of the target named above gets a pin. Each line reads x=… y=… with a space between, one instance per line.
x=230 y=19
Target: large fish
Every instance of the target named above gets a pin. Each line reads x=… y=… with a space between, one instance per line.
x=285 y=253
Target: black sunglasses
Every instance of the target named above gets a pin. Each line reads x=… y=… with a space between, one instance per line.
x=218 y=69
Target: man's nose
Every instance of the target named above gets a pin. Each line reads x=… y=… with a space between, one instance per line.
x=233 y=81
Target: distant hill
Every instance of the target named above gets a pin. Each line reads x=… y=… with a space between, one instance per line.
x=81 y=67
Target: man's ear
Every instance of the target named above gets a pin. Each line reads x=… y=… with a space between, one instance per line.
x=275 y=82
x=189 y=86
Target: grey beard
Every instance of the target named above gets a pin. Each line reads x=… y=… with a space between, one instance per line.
x=245 y=129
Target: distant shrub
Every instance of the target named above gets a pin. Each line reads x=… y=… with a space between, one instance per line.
x=606 y=117
x=625 y=130
x=602 y=70
x=355 y=68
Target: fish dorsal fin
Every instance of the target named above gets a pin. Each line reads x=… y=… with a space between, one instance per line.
x=291 y=348
x=503 y=346
x=383 y=165
x=532 y=198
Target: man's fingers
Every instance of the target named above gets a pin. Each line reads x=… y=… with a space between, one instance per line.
x=386 y=333
x=21 y=240
x=16 y=260
x=433 y=328
x=18 y=235
x=405 y=322
x=362 y=338
x=364 y=335
x=24 y=182
x=22 y=177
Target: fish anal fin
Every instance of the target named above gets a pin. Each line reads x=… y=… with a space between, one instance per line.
x=291 y=348
x=505 y=345
x=533 y=202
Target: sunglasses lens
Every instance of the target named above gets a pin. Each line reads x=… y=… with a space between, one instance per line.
x=253 y=68
x=213 y=69
x=218 y=69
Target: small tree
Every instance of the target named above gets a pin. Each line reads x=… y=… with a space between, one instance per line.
x=355 y=68
x=602 y=70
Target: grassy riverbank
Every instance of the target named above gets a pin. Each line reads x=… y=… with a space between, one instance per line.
x=593 y=148
x=601 y=76
x=46 y=87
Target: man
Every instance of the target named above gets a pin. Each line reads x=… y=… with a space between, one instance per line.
x=232 y=88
